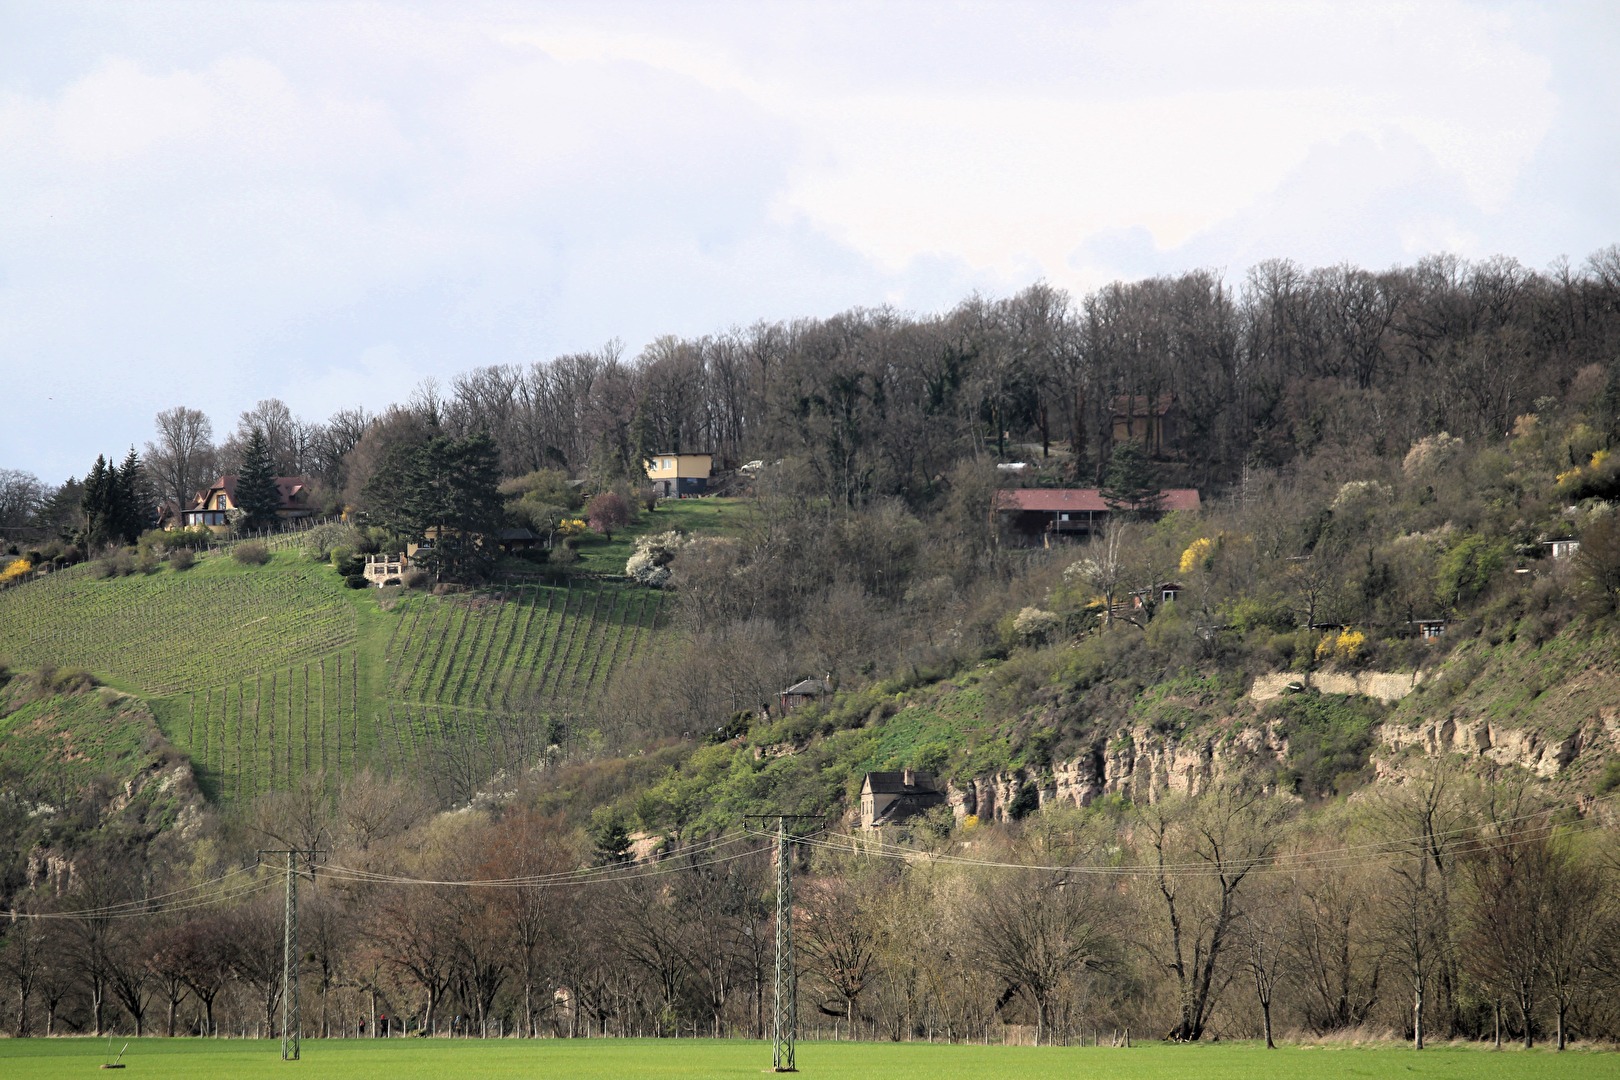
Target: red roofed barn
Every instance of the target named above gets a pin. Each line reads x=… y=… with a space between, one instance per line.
x=1033 y=512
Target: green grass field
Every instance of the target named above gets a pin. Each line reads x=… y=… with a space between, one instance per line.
x=629 y=1059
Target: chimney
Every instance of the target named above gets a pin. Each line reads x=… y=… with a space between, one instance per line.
x=909 y=777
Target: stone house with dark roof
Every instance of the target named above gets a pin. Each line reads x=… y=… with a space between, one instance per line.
x=890 y=798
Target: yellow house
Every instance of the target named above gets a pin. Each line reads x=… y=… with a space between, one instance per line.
x=679 y=476
x=212 y=507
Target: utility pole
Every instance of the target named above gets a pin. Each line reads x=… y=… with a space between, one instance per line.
x=290 y=1023
x=785 y=1019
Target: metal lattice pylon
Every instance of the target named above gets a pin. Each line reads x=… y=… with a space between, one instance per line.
x=290 y=1024
x=289 y=970
x=785 y=1028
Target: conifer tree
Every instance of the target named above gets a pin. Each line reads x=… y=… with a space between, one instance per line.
x=98 y=503
x=446 y=491
x=1130 y=485
x=256 y=494
x=130 y=509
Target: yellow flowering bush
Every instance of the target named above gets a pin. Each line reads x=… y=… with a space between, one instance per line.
x=1197 y=554
x=19 y=568
x=572 y=526
x=1345 y=646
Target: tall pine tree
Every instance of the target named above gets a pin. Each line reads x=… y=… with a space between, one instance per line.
x=256 y=494
x=131 y=506
x=444 y=491
x=99 y=503
x=1131 y=485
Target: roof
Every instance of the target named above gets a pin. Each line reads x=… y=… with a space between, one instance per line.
x=1142 y=405
x=894 y=783
x=515 y=534
x=289 y=488
x=1084 y=500
x=807 y=686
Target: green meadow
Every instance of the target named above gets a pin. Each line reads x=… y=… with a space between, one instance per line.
x=627 y=1059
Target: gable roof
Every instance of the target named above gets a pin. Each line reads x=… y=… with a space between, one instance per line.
x=807 y=686
x=1084 y=500
x=290 y=489
x=894 y=783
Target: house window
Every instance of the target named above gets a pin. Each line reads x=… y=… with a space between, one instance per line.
x=219 y=503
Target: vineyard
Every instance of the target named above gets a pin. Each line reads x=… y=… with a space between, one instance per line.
x=167 y=632
x=264 y=675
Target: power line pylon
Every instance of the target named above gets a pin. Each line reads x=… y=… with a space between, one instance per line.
x=291 y=1034
x=785 y=1018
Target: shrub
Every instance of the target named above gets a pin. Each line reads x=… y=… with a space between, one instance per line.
x=650 y=563
x=182 y=559
x=1197 y=556
x=1035 y=626
x=414 y=578
x=146 y=562
x=1346 y=646
x=251 y=553
x=607 y=512
x=356 y=581
x=114 y=564
x=322 y=540
x=564 y=555
x=16 y=571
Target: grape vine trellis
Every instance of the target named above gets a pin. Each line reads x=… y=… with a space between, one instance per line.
x=268 y=674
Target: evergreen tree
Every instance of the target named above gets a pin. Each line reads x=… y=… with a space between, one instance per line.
x=99 y=503
x=64 y=510
x=131 y=504
x=612 y=843
x=1131 y=486
x=443 y=491
x=256 y=494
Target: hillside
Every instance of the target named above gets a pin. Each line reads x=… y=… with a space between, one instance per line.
x=76 y=757
x=262 y=674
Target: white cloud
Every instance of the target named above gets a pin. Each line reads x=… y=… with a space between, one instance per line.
x=221 y=203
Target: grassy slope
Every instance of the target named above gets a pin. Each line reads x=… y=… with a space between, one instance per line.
x=617 y=1059
x=1520 y=681
x=54 y=745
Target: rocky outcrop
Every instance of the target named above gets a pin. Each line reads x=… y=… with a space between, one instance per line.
x=1545 y=756
x=1139 y=763
x=1386 y=686
x=1145 y=766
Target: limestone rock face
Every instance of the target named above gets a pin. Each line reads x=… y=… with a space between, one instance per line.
x=1529 y=750
x=1139 y=763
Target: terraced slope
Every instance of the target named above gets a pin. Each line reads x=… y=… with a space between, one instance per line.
x=265 y=674
x=168 y=632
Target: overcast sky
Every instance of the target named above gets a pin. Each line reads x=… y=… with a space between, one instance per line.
x=212 y=203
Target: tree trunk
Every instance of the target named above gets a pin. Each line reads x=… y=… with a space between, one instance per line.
x=1417 y=1017
x=1265 y=1011
x=1562 y=1011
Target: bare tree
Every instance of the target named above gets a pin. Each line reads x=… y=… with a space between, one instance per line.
x=1204 y=852
x=1039 y=936
x=181 y=460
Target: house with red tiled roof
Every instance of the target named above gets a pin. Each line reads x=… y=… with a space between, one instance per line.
x=1073 y=512
x=212 y=508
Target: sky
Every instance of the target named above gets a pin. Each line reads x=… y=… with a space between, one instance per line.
x=208 y=204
